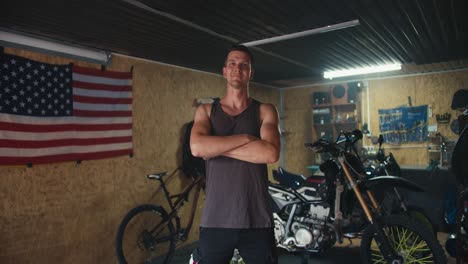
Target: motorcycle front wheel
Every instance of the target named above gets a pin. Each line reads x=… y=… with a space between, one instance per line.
x=413 y=242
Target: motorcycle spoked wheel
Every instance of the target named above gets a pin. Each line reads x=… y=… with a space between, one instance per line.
x=410 y=240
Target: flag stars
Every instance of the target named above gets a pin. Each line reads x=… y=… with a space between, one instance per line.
x=28 y=64
x=55 y=68
x=43 y=112
x=28 y=76
x=42 y=67
x=14 y=109
x=36 y=106
x=21 y=69
x=36 y=94
x=43 y=78
x=13 y=73
x=30 y=111
x=7 y=90
x=49 y=106
x=14 y=97
x=21 y=92
x=49 y=73
x=36 y=71
x=49 y=95
x=29 y=99
x=56 y=112
x=13 y=62
x=49 y=84
x=22 y=104
x=36 y=83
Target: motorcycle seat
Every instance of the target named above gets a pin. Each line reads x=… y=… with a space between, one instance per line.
x=294 y=180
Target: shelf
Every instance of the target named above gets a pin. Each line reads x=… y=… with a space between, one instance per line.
x=322 y=105
x=335 y=114
x=324 y=124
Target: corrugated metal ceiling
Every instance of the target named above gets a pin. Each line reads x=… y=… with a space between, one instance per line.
x=425 y=36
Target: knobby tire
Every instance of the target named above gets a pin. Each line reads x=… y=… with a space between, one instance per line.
x=409 y=238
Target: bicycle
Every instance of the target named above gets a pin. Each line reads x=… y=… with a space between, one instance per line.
x=147 y=233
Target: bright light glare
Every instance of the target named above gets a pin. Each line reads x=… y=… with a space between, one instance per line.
x=373 y=69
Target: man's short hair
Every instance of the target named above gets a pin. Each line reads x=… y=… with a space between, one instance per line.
x=239 y=47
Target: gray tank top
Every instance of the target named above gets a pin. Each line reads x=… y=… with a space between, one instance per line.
x=236 y=191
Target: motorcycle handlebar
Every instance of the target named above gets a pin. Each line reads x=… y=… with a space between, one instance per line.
x=322 y=145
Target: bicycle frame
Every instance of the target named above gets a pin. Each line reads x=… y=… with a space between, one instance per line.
x=181 y=198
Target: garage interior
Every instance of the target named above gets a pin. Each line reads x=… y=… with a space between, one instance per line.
x=68 y=212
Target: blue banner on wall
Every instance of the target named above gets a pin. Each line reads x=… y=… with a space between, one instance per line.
x=404 y=124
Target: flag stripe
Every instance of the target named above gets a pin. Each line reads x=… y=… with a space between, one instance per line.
x=32 y=152
x=102 y=107
x=7 y=126
x=25 y=144
x=63 y=120
x=104 y=87
x=100 y=80
x=101 y=100
x=86 y=113
x=100 y=93
x=5 y=160
x=63 y=135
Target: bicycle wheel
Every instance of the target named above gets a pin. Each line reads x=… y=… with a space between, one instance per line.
x=413 y=242
x=145 y=236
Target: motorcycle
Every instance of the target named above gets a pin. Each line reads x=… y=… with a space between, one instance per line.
x=311 y=215
x=394 y=201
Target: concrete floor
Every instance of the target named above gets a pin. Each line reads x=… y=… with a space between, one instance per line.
x=346 y=253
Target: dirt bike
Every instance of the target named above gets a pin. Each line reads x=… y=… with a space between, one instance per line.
x=394 y=201
x=311 y=216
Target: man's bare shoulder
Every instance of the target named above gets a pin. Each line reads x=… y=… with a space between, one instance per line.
x=268 y=108
x=205 y=109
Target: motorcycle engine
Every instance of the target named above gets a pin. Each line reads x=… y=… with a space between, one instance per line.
x=309 y=229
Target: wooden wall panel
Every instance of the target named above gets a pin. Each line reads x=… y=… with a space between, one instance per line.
x=435 y=89
x=68 y=212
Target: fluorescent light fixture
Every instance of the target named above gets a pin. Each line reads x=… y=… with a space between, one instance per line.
x=324 y=29
x=358 y=71
x=14 y=40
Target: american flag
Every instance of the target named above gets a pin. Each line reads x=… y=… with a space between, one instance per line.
x=55 y=113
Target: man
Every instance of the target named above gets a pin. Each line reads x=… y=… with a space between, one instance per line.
x=237 y=136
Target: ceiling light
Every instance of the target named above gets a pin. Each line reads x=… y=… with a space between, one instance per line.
x=324 y=29
x=365 y=70
x=9 y=39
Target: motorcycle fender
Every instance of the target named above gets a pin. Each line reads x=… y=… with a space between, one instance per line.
x=393 y=181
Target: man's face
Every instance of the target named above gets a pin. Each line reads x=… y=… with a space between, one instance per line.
x=237 y=69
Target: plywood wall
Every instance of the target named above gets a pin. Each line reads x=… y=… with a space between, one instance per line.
x=432 y=89
x=435 y=90
x=68 y=212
